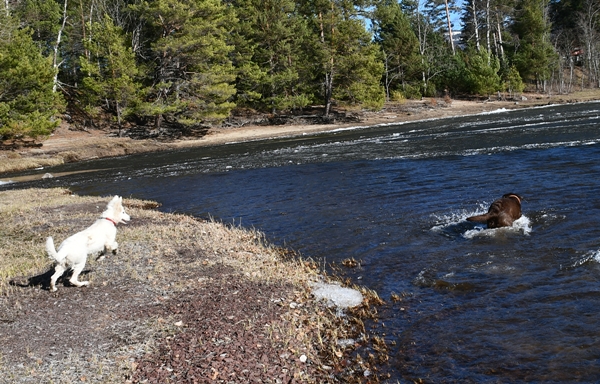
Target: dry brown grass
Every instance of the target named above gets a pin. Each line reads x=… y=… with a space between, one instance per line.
x=13 y=162
x=162 y=251
x=77 y=149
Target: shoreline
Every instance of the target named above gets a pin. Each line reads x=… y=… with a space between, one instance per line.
x=183 y=294
x=69 y=145
x=183 y=298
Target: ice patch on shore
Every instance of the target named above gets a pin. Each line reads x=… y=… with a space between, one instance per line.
x=5 y=182
x=336 y=295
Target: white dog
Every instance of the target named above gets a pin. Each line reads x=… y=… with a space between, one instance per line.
x=99 y=237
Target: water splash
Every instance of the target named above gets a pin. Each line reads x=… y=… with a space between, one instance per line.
x=455 y=224
x=521 y=225
x=588 y=257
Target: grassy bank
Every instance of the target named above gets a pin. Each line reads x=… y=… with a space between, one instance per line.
x=178 y=287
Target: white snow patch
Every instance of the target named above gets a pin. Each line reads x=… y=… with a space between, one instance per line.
x=336 y=295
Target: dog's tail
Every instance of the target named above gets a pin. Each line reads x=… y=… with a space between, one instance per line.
x=51 y=250
x=479 y=218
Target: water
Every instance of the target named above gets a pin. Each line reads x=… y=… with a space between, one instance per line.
x=512 y=305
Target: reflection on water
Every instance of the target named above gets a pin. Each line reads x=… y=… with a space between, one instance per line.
x=506 y=305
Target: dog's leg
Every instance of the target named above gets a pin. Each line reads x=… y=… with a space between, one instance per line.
x=58 y=271
x=74 y=278
x=114 y=247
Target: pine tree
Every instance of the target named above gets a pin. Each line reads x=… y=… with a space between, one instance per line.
x=399 y=45
x=347 y=65
x=512 y=82
x=28 y=107
x=482 y=72
x=111 y=75
x=193 y=73
x=534 y=55
x=274 y=35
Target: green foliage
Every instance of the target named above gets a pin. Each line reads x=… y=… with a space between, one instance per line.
x=412 y=91
x=110 y=72
x=397 y=96
x=347 y=64
x=534 y=55
x=272 y=37
x=359 y=68
x=189 y=62
x=512 y=81
x=43 y=18
x=193 y=71
x=28 y=107
x=481 y=72
x=398 y=43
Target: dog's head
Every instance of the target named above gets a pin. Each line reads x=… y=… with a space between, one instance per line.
x=513 y=196
x=115 y=211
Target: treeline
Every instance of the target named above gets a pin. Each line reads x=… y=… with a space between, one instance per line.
x=189 y=63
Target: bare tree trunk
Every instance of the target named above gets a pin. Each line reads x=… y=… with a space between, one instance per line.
x=500 y=42
x=449 y=27
x=329 y=71
x=55 y=63
x=487 y=29
x=475 y=25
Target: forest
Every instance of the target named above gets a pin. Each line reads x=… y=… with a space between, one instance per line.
x=188 y=64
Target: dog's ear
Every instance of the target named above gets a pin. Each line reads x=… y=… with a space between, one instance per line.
x=113 y=201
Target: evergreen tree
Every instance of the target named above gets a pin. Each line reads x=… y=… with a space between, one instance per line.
x=482 y=72
x=534 y=55
x=274 y=35
x=193 y=73
x=28 y=107
x=512 y=82
x=43 y=18
x=111 y=75
x=346 y=62
x=399 y=46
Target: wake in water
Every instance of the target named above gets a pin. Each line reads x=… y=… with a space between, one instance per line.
x=521 y=225
x=588 y=257
x=455 y=224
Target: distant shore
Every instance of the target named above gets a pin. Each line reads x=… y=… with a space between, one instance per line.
x=71 y=145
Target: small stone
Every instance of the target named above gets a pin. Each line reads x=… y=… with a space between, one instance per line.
x=303 y=359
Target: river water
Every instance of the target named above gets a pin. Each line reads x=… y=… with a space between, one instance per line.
x=512 y=305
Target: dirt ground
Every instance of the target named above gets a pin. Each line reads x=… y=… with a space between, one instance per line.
x=184 y=301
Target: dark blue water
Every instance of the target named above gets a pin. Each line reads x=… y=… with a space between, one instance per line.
x=512 y=305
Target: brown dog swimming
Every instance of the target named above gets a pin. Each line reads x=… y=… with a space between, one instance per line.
x=502 y=213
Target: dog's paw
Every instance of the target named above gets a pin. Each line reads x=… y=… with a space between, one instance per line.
x=79 y=283
x=101 y=257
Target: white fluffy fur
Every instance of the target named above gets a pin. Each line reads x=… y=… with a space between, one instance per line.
x=99 y=237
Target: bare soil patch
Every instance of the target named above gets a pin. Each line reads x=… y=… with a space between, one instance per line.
x=184 y=301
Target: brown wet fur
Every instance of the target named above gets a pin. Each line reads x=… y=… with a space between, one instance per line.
x=502 y=213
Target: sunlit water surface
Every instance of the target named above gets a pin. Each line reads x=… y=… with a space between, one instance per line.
x=515 y=304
